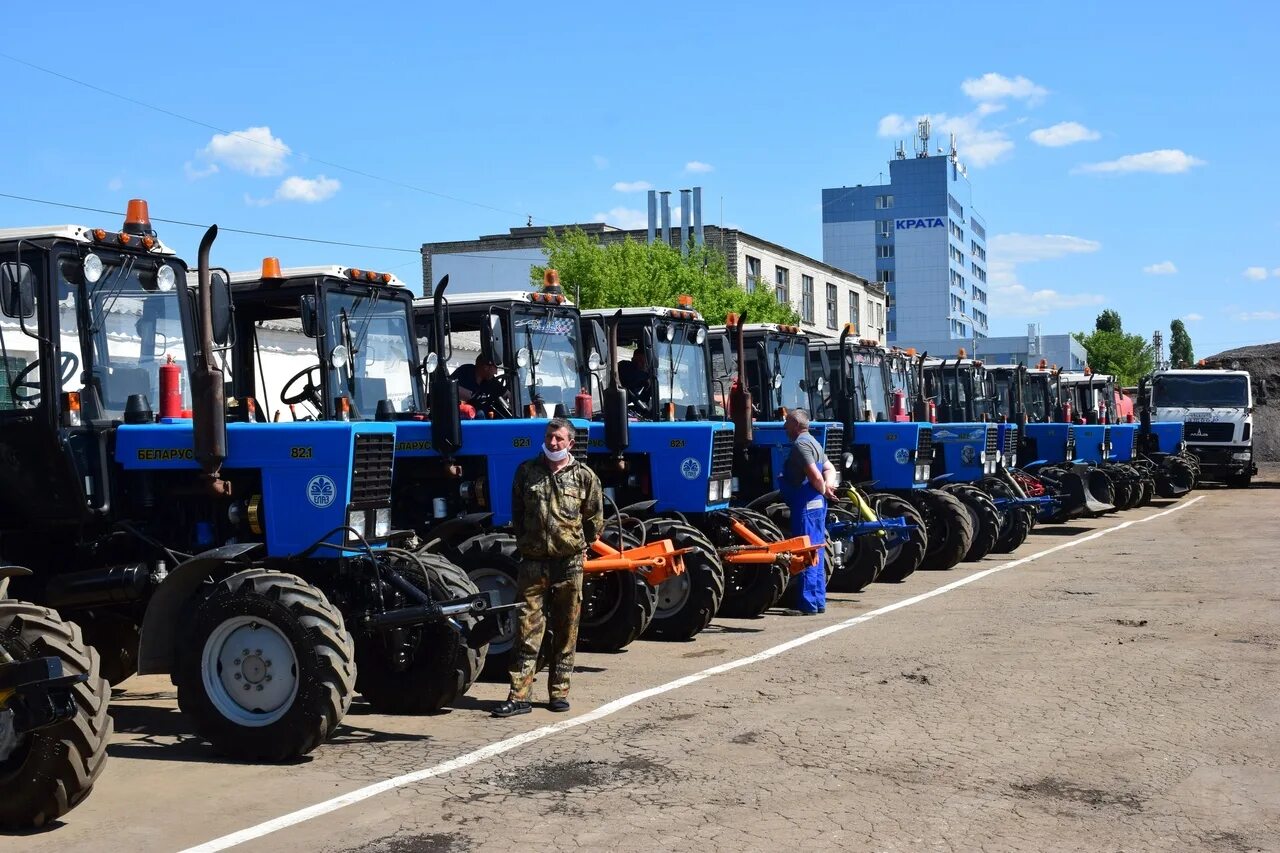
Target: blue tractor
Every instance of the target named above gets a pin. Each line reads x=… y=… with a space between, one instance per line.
x=1096 y=400
x=675 y=466
x=254 y=563
x=772 y=362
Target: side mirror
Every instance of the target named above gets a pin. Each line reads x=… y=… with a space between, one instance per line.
x=220 y=296
x=491 y=344
x=17 y=290
x=307 y=315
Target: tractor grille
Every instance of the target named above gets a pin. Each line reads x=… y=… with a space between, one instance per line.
x=993 y=443
x=580 y=442
x=371 y=473
x=722 y=455
x=1071 y=435
x=1011 y=439
x=924 y=444
x=835 y=442
x=1133 y=450
x=1197 y=431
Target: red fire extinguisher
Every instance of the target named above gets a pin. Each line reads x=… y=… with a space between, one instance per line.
x=582 y=404
x=900 y=405
x=170 y=390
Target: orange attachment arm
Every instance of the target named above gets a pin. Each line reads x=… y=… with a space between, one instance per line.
x=655 y=561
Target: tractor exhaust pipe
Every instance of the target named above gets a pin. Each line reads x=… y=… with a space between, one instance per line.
x=446 y=419
x=209 y=430
x=739 y=393
x=617 y=430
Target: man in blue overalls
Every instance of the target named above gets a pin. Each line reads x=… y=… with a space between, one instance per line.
x=808 y=480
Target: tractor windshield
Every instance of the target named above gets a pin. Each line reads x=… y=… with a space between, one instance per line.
x=368 y=350
x=869 y=377
x=548 y=357
x=1039 y=398
x=1207 y=390
x=787 y=360
x=682 y=367
x=1004 y=390
x=981 y=389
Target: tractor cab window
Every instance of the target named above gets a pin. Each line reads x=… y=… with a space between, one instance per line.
x=547 y=355
x=1036 y=399
x=821 y=363
x=786 y=368
x=368 y=351
x=21 y=369
x=681 y=367
x=1002 y=384
x=869 y=379
x=981 y=389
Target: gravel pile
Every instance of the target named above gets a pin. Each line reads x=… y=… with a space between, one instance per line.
x=1263 y=363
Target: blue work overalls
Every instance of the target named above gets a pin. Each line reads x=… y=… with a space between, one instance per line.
x=809 y=518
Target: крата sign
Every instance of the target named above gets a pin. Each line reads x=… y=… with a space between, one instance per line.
x=920 y=222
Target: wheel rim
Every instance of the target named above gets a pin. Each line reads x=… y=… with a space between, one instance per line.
x=602 y=596
x=496 y=580
x=673 y=594
x=250 y=671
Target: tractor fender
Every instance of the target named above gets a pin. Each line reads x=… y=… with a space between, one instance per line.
x=766 y=500
x=14 y=572
x=159 y=643
x=640 y=509
x=1031 y=467
x=455 y=530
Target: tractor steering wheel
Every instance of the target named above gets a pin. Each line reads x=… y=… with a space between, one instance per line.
x=491 y=400
x=310 y=391
x=26 y=391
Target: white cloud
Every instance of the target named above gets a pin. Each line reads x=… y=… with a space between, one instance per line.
x=251 y=201
x=989 y=108
x=195 y=173
x=1063 y=133
x=1193 y=317
x=1165 y=161
x=632 y=186
x=600 y=162
x=996 y=87
x=697 y=167
x=307 y=190
x=894 y=125
x=1010 y=297
x=253 y=151
x=1255 y=273
x=1275 y=273
x=115 y=185
x=1162 y=268
x=1247 y=316
x=625 y=217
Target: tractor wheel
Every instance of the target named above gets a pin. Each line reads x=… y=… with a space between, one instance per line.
x=780 y=515
x=423 y=668
x=492 y=563
x=1015 y=522
x=856 y=563
x=986 y=519
x=949 y=526
x=266 y=669
x=1179 y=478
x=115 y=637
x=46 y=773
x=905 y=551
x=1123 y=492
x=617 y=607
x=749 y=590
x=688 y=602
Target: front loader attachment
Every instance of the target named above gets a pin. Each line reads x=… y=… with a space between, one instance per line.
x=797 y=553
x=1082 y=489
x=656 y=561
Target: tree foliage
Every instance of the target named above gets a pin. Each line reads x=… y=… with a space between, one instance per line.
x=1180 y=352
x=1108 y=321
x=636 y=274
x=1127 y=357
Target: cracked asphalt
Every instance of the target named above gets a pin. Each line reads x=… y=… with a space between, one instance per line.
x=1117 y=695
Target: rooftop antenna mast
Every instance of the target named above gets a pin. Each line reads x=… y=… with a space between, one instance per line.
x=922 y=138
x=953 y=148
x=900 y=150
x=1157 y=342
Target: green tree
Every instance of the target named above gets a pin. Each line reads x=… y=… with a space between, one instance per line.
x=1108 y=321
x=1180 y=352
x=636 y=274
x=1127 y=357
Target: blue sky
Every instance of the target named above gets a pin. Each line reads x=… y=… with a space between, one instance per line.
x=1121 y=153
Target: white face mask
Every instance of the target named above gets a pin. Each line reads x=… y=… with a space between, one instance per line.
x=555 y=455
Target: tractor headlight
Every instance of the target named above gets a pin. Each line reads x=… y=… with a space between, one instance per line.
x=382 y=523
x=713 y=491
x=922 y=473
x=165 y=278
x=989 y=467
x=356 y=521
x=92 y=268
x=733 y=486
x=848 y=461
x=726 y=489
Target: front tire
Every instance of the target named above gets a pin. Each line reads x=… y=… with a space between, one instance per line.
x=749 y=590
x=1015 y=522
x=906 y=552
x=686 y=603
x=267 y=668
x=986 y=519
x=46 y=773
x=949 y=526
x=617 y=606
x=492 y=563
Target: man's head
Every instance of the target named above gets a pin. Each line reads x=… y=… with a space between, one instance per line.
x=559 y=435
x=797 y=422
x=485 y=368
x=639 y=359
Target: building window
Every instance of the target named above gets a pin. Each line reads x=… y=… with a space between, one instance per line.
x=806 y=298
x=884 y=202
x=884 y=227
x=884 y=276
x=979 y=230
x=13 y=366
x=978 y=272
x=956 y=231
x=978 y=252
x=979 y=318
x=891 y=324
x=957 y=280
x=884 y=251
x=855 y=316
x=980 y=296
x=955 y=206
x=833 y=306
x=753 y=273
x=782 y=285
x=879 y=315
x=956 y=255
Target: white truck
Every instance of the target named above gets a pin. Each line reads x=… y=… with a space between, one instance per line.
x=1216 y=410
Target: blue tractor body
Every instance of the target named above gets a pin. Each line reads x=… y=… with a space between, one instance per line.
x=682 y=467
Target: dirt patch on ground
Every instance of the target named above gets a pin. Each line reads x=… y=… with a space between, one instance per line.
x=1060 y=789
x=581 y=775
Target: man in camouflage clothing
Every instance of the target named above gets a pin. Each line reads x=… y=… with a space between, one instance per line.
x=556 y=510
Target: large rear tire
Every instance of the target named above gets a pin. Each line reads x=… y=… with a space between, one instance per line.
x=492 y=563
x=749 y=590
x=46 y=773
x=859 y=562
x=1015 y=522
x=949 y=526
x=266 y=668
x=985 y=516
x=688 y=602
x=617 y=607
x=421 y=669
x=905 y=552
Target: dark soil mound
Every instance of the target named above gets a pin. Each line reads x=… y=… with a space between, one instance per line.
x=1263 y=363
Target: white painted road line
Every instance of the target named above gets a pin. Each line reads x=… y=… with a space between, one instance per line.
x=497 y=748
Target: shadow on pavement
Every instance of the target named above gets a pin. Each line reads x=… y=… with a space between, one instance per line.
x=1060 y=530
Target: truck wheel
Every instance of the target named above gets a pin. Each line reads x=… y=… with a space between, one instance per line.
x=686 y=603
x=1015 y=522
x=421 y=669
x=492 y=563
x=1239 y=481
x=267 y=668
x=617 y=607
x=749 y=590
x=950 y=527
x=46 y=773
x=985 y=516
x=905 y=552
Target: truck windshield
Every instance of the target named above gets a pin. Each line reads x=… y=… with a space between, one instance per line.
x=788 y=359
x=681 y=368
x=552 y=373
x=375 y=330
x=1206 y=390
x=869 y=378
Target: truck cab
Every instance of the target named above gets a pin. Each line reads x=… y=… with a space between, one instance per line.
x=1216 y=410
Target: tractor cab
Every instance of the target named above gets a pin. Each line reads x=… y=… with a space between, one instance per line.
x=968 y=445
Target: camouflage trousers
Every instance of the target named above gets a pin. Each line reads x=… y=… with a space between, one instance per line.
x=550 y=596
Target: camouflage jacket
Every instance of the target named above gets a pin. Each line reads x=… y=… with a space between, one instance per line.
x=555 y=515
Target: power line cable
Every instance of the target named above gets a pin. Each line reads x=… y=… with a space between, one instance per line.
x=282 y=148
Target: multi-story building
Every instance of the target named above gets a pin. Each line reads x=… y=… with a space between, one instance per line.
x=919 y=236
x=825 y=297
